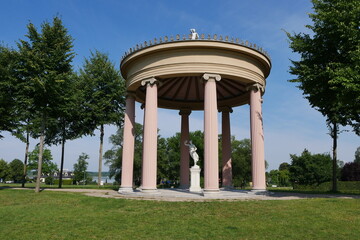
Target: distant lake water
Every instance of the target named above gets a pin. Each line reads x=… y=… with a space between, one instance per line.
x=103 y=179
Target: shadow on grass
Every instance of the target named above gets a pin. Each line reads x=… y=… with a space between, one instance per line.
x=311 y=194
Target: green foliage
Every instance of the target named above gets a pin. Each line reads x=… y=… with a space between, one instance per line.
x=344 y=187
x=49 y=180
x=64 y=181
x=103 y=95
x=9 y=116
x=309 y=169
x=44 y=69
x=16 y=168
x=351 y=172
x=80 y=174
x=48 y=167
x=284 y=166
x=329 y=69
x=113 y=157
x=281 y=178
x=103 y=91
x=357 y=155
x=241 y=162
x=4 y=169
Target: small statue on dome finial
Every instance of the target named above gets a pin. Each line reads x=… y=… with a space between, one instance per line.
x=194 y=34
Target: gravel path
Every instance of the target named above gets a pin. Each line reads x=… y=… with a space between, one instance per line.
x=179 y=195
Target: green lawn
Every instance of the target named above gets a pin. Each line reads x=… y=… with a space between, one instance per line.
x=43 y=185
x=55 y=215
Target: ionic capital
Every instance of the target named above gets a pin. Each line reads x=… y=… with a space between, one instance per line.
x=211 y=77
x=150 y=81
x=256 y=87
x=225 y=109
x=142 y=106
x=185 y=112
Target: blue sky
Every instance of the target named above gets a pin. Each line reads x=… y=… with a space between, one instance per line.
x=111 y=26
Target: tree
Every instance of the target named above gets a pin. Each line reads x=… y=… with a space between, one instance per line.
x=241 y=161
x=4 y=170
x=329 y=69
x=16 y=170
x=104 y=95
x=44 y=67
x=48 y=167
x=80 y=174
x=8 y=120
x=350 y=172
x=284 y=166
x=113 y=157
x=310 y=169
x=357 y=155
x=71 y=121
x=169 y=158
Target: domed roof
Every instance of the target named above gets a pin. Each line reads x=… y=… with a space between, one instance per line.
x=179 y=64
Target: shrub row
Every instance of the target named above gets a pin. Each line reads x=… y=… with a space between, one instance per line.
x=326 y=186
x=64 y=182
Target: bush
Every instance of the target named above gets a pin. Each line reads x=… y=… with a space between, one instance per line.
x=343 y=186
x=49 y=180
x=64 y=182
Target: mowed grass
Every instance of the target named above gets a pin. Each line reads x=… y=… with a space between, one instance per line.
x=43 y=185
x=55 y=215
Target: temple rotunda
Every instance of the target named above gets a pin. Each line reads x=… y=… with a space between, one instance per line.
x=194 y=73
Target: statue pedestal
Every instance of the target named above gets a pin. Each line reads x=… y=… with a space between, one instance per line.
x=195 y=179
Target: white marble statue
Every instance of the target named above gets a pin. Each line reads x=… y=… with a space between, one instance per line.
x=194 y=34
x=192 y=150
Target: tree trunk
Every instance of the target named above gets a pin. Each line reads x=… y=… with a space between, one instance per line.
x=41 y=149
x=100 y=152
x=334 y=177
x=26 y=158
x=62 y=158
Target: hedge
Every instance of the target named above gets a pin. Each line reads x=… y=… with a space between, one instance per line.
x=64 y=182
x=343 y=186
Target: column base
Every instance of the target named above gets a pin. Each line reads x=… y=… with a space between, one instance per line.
x=259 y=192
x=150 y=191
x=210 y=192
x=184 y=186
x=125 y=190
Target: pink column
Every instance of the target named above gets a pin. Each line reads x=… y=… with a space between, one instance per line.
x=211 y=151
x=184 y=151
x=128 y=145
x=257 y=139
x=142 y=144
x=226 y=148
x=150 y=136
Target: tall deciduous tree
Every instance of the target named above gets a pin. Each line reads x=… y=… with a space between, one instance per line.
x=329 y=69
x=71 y=117
x=7 y=89
x=45 y=67
x=103 y=94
